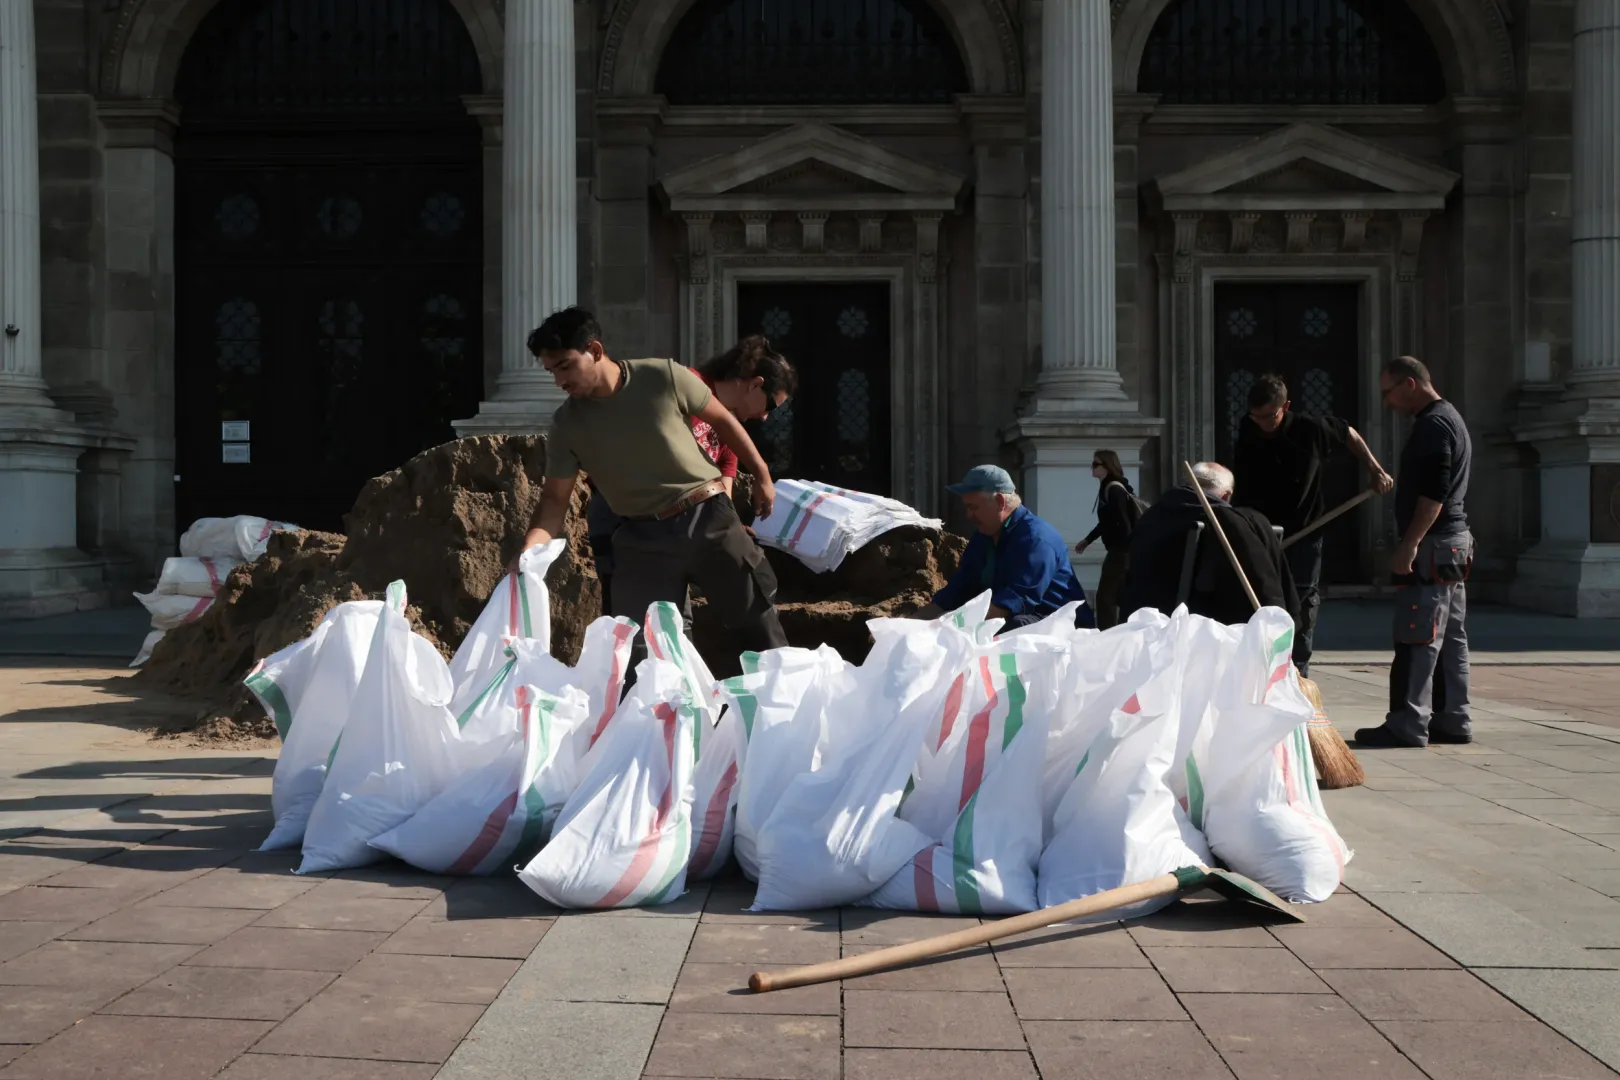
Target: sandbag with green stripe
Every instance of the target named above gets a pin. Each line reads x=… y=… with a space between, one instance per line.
x=503 y=811
x=623 y=837
x=519 y=607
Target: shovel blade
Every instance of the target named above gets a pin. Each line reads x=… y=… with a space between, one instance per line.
x=1235 y=886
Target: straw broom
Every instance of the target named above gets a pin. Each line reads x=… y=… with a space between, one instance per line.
x=1336 y=764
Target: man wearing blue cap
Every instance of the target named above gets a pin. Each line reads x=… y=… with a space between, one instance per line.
x=1019 y=558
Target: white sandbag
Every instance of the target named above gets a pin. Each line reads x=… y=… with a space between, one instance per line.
x=1119 y=823
x=834 y=837
x=779 y=704
x=170 y=611
x=504 y=809
x=624 y=835
x=147 y=646
x=307 y=689
x=242 y=537
x=820 y=524
x=518 y=607
x=399 y=749
x=194 y=577
x=604 y=661
x=984 y=810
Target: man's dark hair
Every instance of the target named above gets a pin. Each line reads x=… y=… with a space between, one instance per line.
x=753 y=356
x=1408 y=367
x=568 y=330
x=1268 y=392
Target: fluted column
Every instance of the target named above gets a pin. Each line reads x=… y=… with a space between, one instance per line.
x=1077 y=210
x=20 y=383
x=1595 y=191
x=539 y=226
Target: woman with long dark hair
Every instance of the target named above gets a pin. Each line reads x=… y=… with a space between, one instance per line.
x=1117 y=513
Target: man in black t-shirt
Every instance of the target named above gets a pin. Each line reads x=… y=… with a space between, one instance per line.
x=1278 y=465
x=1428 y=679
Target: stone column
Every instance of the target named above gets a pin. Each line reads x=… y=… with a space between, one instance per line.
x=21 y=386
x=1077 y=210
x=1595 y=199
x=539 y=208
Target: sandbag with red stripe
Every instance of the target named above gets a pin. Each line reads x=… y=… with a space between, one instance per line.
x=502 y=811
x=624 y=836
x=519 y=607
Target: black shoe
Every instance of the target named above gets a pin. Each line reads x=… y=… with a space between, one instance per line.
x=1382 y=738
x=1448 y=738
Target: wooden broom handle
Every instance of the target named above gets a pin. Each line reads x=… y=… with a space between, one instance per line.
x=1343 y=508
x=1209 y=512
x=895 y=956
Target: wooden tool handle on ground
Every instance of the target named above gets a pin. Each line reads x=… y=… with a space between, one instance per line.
x=1220 y=533
x=884 y=959
x=1343 y=508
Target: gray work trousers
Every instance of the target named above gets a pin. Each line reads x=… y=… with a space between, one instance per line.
x=1428 y=678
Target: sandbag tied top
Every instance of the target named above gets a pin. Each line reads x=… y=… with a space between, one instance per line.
x=820 y=524
x=243 y=537
x=519 y=608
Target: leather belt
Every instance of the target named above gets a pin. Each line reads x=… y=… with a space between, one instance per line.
x=687 y=501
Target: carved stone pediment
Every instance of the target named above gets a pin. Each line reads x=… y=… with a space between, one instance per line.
x=811 y=167
x=1306 y=167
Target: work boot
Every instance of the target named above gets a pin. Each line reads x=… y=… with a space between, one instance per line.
x=1438 y=736
x=1383 y=737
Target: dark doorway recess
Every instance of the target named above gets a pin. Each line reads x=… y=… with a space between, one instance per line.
x=836 y=429
x=1310 y=336
x=329 y=254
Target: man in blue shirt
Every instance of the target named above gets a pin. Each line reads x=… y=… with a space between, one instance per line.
x=1019 y=558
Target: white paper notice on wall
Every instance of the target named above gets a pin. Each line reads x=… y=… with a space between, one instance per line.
x=234 y=430
x=237 y=453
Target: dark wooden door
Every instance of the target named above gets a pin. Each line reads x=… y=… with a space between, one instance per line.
x=1309 y=336
x=836 y=429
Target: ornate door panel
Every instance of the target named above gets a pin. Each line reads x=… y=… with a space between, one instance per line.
x=1309 y=335
x=837 y=428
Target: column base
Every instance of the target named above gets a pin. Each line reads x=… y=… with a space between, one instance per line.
x=1056 y=459
x=1580 y=580
x=1076 y=392
x=523 y=404
x=56 y=581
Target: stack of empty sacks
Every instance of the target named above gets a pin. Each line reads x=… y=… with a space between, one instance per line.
x=187 y=585
x=955 y=770
x=820 y=524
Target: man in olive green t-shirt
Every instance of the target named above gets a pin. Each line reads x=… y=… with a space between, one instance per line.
x=627 y=424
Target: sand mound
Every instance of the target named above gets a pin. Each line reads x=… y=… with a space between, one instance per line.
x=447 y=523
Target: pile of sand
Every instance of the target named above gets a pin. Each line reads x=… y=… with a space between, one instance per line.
x=447 y=523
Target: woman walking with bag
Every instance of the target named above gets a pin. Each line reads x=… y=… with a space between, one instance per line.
x=1118 y=510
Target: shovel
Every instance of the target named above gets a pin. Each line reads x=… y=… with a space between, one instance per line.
x=1187 y=879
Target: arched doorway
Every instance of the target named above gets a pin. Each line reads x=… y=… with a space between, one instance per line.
x=328 y=251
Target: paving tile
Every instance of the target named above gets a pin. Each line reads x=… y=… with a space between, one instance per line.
x=32 y=1014
x=1344 y=909
x=1581 y=1005
x=731 y=905
x=1071 y=946
x=972 y=969
x=1111 y=1050
x=588 y=1040
x=1286 y=1036
x=1472 y=1050
x=316 y=910
x=222 y=993
x=10 y=1053
x=689 y=905
x=139 y=1048
x=19 y=866
x=512 y=939
x=1094 y=994
x=756 y=1047
x=389 y=881
x=165 y=925
x=230 y=887
x=865 y=1064
x=869 y=926
x=1421 y=995
x=40 y=903
x=86 y=964
x=17 y=938
x=1235 y=971
x=307 y=950
x=460 y=979
x=489 y=898
x=723 y=988
x=386 y=1028
x=1203 y=923
x=1481 y=931
x=282 y=1067
x=623 y=960
x=773 y=944
x=1360 y=947
x=930 y=1020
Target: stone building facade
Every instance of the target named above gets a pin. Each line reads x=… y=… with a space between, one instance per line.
x=253 y=251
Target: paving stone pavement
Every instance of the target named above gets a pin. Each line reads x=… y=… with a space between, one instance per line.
x=1478 y=936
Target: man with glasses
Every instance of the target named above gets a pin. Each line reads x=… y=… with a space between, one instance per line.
x=1278 y=466
x=1428 y=679
x=628 y=423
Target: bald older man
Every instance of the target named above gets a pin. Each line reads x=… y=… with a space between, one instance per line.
x=1159 y=546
